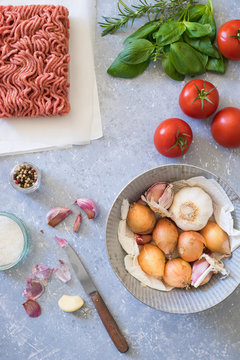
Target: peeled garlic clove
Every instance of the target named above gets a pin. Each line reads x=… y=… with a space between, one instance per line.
x=159 y=198
x=89 y=207
x=32 y=308
x=142 y=239
x=70 y=303
x=63 y=273
x=77 y=223
x=191 y=208
x=60 y=241
x=33 y=290
x=200 y=274
x=56 y=215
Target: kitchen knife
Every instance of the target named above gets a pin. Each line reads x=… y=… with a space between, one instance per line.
x=89 y=287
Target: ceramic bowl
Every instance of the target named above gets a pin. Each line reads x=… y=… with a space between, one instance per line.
x=177 y=301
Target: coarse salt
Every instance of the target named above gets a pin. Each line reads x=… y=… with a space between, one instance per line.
x=11 y=241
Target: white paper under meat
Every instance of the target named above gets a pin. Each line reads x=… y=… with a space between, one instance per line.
x=83 y=123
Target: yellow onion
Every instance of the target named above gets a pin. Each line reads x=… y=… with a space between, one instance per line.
x=165 y=236
x=141 y=219
x=216 y=239
x=177 y=273
x=152 y=260
x=190 y=245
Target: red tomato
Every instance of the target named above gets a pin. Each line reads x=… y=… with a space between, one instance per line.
x=226 y=127
x=199 y=99
x=228 y=39
x=173 y=137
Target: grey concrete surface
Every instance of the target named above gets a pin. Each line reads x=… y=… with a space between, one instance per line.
x=131 y=110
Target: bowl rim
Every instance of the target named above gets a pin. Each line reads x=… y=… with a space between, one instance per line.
x=106 y=230
x=31 y=189
x=26 y=236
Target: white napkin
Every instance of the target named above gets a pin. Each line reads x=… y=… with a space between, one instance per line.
x=222 y=208
x=83 y=123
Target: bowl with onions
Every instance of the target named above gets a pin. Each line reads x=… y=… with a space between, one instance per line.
x=172 y=238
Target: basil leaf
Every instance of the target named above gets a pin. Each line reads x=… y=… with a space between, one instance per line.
x=137 y=52
x=143 y=31
x=208 y=18
x=169 y=32
x=217 y=65
x=127 y=71
x=203 y=45
x=196 y=11
x=169 y=68
x=187 y=60
x=195 y=30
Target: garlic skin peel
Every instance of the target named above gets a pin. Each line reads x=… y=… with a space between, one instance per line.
x=191 y=208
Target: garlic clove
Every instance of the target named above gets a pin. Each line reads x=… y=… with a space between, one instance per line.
x=32 y=308
x=56 y=215
x=191 y=208
x=63 y=273
x=70 y=303
x=60 y=241
x=200 y=274
x=33 y=290
x=142 y=239
x=77 y=223
x=159 y=198
x=89 y=207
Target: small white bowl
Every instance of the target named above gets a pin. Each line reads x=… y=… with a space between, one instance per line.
x=177 y=301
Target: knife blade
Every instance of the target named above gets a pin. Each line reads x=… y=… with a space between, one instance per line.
x=89 y=287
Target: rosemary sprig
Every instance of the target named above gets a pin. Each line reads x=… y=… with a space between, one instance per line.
x=159 y=10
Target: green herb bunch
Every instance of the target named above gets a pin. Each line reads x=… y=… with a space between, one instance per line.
x=180 y=33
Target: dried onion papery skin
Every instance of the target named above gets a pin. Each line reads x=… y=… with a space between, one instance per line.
x=165 y=236
x=191 y=208
x=33 y=290
x=190 y=245
x=217 y=240
x=32 y=308
x=140 y=219
x=152 y=260
x=178 y=273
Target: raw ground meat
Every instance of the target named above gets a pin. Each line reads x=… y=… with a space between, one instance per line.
x=34 y=61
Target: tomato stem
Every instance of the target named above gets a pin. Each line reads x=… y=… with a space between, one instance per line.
x=202 y=95
x=236 y=36
x=180 y=141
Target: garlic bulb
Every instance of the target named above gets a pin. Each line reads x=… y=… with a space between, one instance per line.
x=191 y=208
x=159 y=198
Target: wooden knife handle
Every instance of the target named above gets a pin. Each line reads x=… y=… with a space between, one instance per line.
x=109 y=323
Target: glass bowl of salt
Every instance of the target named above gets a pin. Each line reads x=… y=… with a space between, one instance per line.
x=14 y=240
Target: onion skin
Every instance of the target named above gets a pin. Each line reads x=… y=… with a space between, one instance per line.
x=141 y=219
x=177 y=273
x=216 y=239
x=152 y=260
x=190 y=245
x=165 y=236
